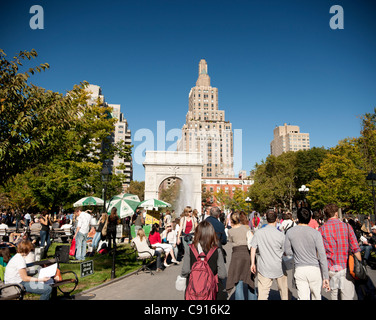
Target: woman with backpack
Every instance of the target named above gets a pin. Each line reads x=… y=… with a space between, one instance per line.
x=203 y=266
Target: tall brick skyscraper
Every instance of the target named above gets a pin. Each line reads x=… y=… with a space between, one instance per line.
x=206 y=130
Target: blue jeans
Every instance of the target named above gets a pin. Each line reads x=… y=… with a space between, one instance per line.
x=96 y=239
x=45 y=237
x=81 y=245
x=367 y=251
x=39 y=288
x=244 y=292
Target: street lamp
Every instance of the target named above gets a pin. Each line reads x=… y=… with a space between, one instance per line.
x=304 y=190
x=248 y=200
x=106 y=176
x=371 y=180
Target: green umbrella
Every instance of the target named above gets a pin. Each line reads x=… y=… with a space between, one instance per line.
x=127 y=196
x=125 y=207
x=88 y=201
x=151 y=204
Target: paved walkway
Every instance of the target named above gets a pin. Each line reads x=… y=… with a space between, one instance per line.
x=161 y=286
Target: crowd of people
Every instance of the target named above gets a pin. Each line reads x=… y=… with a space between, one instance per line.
x=315 y=246
x=32 y=234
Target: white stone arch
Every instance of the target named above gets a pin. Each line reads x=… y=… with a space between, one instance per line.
x=187 y=166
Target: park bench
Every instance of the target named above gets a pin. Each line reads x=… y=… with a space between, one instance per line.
x=59 y=285
x=12 y=291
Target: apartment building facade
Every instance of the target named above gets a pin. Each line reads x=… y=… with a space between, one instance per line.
x=288 y=138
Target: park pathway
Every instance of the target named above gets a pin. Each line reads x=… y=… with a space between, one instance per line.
x=161 y=286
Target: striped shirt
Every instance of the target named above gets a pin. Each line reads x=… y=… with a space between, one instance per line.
x=336 y=238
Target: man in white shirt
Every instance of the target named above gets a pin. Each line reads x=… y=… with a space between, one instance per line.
x=67 y=227
x=82 y=229
x=27 y=219
x=3 y=228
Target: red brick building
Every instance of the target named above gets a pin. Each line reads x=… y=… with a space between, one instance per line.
x=228 y=185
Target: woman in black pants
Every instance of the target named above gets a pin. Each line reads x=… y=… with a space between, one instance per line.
x=113 y=221
x=45 y=220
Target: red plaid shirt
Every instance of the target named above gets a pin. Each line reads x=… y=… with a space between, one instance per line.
x=335 y=235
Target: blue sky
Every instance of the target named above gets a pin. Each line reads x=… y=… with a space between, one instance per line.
x=273 y=62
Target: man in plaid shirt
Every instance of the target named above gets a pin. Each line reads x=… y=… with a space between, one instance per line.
x=337 y=236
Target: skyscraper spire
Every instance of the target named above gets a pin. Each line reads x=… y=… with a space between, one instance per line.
x=206 y=130
x=203 y=77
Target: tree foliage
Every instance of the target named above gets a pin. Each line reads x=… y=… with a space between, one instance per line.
x=342 y=179
x=53 y=146
x=275 y=182
x=137 y=188
x=32 y=120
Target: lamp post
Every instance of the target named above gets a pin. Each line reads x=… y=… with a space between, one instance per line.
x=106 y=178
x=248 y=200
x=371 y=180
x=304 y=190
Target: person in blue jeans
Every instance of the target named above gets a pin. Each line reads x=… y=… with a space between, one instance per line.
x=239 y=271
x=15 y=272
x=100 y=230
x=45 y=221
x=82 y=229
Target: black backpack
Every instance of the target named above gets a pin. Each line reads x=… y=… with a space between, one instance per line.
x=62 y=254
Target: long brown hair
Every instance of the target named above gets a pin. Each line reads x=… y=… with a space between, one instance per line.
x=113 y=215
x=5 y=253
x=205 y=236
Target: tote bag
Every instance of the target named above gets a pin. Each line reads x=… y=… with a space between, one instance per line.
x=72 y=249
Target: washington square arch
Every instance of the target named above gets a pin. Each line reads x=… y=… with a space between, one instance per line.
x=177 y=165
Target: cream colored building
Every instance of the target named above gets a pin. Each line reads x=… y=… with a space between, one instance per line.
x=121 y=132
x=206 y=130
x=288 y=138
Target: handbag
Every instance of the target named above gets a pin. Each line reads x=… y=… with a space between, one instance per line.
x=355 y=267
x=72 y=250
x=180 y=283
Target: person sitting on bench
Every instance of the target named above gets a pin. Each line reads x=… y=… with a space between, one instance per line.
x=15 y=272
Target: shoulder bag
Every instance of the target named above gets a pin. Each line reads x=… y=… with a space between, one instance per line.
x=355 y=268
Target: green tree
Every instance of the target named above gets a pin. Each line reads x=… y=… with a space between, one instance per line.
x=75 y=159
x=367 y=140
x=137 y=188
x=275 y=182
x=32 y=120
x=307 y=163
x=223 y=199
x=238 y=199
x=171 y=194
x=342 y=179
